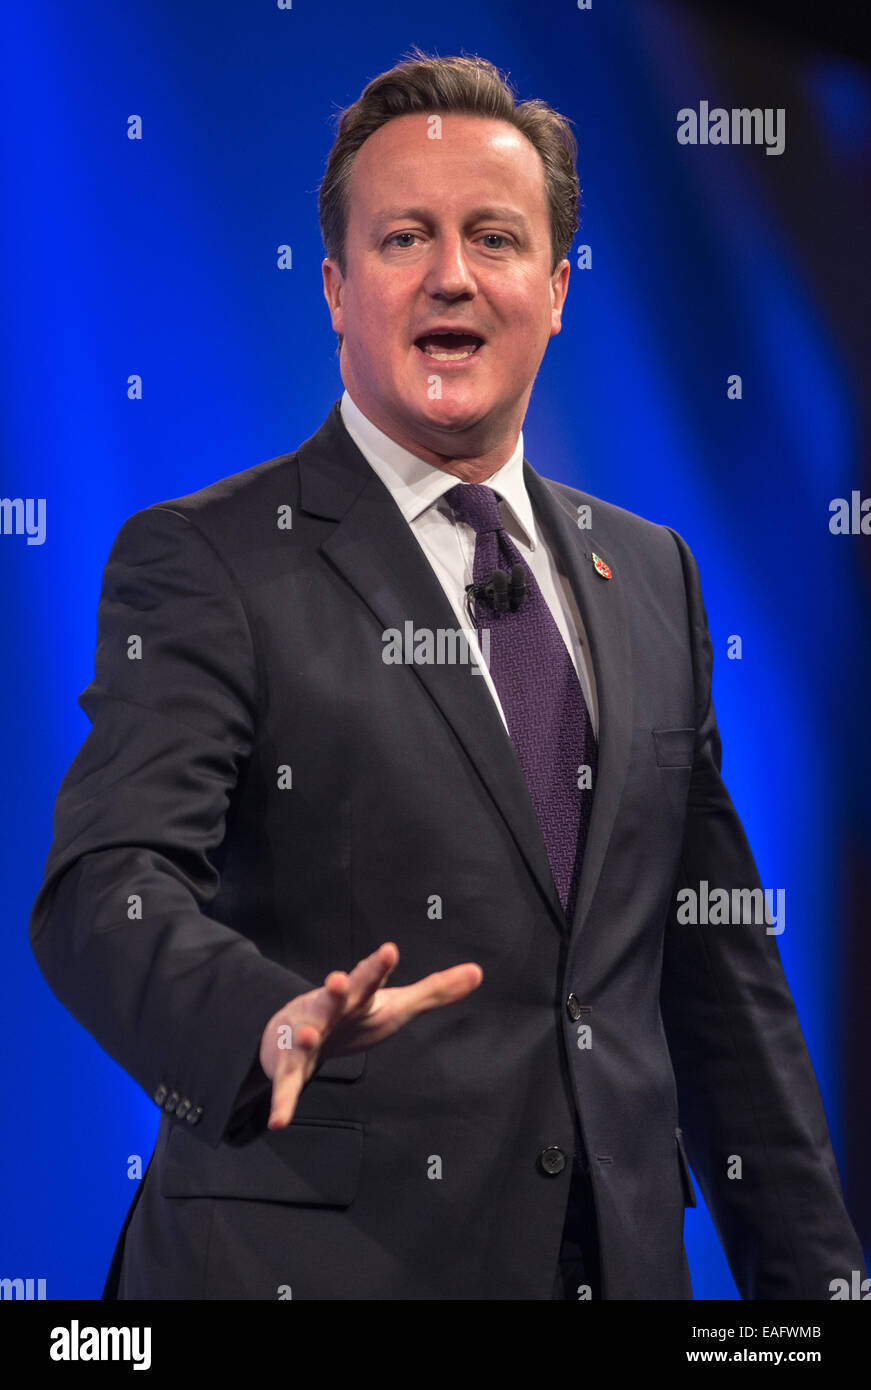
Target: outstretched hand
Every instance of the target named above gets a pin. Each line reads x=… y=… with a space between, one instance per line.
x=348 y=1013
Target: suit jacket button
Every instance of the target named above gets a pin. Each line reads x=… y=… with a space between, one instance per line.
x=573 y=1005
x=552 y=1160
x=160 y=1095
x=171 y=1101
x=194 y=1116
x=182 y=1109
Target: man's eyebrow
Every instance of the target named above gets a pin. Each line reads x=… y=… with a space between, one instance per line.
x=498 y=213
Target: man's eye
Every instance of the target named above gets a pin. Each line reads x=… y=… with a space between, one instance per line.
x=499 y=236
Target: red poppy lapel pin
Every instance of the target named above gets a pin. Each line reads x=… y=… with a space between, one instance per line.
x=600 y=566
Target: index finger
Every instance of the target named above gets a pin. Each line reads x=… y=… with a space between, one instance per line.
x=439 y=988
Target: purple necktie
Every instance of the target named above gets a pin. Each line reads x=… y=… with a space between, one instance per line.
x=540 y=693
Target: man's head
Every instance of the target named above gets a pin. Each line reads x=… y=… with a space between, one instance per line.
x=446 y=205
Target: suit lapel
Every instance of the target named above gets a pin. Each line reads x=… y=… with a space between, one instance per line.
x=602 y=605
x=374 y=548
x=376 y=551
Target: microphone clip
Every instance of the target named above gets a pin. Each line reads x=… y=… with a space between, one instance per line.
x=502 y=592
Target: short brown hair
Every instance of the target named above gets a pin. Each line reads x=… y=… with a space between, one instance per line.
x=424 y=83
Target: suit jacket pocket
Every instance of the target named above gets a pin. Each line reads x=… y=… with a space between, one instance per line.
x=346 y=1068
x=316 y=1163
x=674 y=747
x=686 y=1179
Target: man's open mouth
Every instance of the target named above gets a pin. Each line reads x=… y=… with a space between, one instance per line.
x=449 y=347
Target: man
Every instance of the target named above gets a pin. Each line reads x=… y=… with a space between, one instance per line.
x=292 y=769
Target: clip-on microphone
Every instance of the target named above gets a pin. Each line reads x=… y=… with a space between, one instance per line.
x=502 y=593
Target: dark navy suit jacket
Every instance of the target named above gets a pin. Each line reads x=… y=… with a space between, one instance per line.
x=262 y=799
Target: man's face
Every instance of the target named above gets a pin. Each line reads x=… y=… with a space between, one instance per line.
x=446 y=233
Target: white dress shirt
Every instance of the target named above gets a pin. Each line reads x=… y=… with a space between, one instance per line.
x=418 y=489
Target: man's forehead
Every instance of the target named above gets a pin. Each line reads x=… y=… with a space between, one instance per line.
x=391 y=174
x=445 y=128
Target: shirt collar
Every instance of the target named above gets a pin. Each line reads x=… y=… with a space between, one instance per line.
x=416 y=485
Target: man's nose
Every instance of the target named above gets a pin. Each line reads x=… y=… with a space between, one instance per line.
x=448 y=272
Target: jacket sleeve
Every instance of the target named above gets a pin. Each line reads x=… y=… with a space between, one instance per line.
x=120 y=927
x=750 y=1108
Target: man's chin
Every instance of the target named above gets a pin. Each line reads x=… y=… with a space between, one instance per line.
x=452 y=413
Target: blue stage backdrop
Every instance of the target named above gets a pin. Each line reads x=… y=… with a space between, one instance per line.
x=708 y=376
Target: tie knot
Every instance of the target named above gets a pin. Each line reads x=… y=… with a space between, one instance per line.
x=477 y=505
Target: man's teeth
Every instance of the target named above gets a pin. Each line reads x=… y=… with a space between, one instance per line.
x=443 y=354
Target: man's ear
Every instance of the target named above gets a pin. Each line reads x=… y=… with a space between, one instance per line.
x=333 y=285
x=559 y=287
